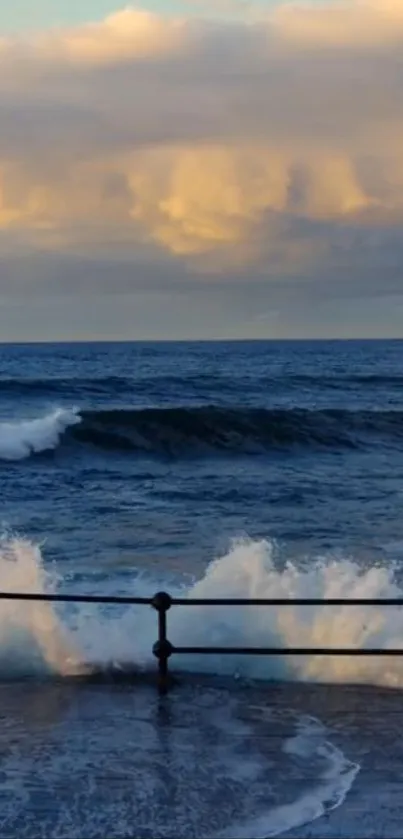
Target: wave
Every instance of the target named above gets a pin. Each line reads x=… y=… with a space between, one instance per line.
x=109 y=386
x=198 y=430
x=123 y=385
x=34 y=636
x=177 y=430
x=341 y=381
x=55 y=386
x=114 y=385
x=20 y=439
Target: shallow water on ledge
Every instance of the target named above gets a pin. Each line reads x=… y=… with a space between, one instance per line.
x=213 y=758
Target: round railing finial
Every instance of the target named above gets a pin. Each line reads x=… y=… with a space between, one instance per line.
x=162 y=601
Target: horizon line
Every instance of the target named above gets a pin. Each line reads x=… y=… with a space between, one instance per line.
x=64 y=341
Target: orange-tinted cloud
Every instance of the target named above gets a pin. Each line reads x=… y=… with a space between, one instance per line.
x=254 y=144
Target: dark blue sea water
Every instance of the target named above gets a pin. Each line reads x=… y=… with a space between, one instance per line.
x=182 y=447
x=220 y=469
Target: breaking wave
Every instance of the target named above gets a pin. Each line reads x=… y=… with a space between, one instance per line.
x=37 y=635
x=177 y=431
x=20 y=439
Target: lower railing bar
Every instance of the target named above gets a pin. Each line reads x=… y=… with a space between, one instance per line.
x=282 y=601
x=286 y=651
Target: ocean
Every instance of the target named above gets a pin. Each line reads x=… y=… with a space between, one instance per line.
x=250 y=469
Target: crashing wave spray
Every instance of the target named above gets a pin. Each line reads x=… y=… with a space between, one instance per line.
x=32 y=632
x=21 y=439
x=249 y=570
x=32 y=638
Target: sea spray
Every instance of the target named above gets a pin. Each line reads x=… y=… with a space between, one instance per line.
x=250 y=569
x=32 y=637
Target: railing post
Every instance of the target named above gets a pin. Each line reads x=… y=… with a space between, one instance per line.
x=162 y=648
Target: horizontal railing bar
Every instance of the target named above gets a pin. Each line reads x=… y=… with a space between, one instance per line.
x=329 y=651
x=184 y=601
x=310 y=601
x=76 y=598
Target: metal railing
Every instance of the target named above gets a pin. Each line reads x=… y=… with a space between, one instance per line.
x=162 y=602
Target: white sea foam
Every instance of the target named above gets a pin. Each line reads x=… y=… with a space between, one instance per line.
x=24 y=437
x=332 y=785
x=248 y=570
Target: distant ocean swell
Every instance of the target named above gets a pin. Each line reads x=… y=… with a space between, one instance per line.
x=115 y=385
x=191 y=430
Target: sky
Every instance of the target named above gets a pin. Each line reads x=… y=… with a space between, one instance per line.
x=226 y=169
x=23 y=15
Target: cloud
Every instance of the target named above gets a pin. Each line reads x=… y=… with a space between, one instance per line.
x=343 y=24
x=126 y=34
x=263 y=151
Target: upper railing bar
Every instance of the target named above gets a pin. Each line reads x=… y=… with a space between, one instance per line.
x=184 y=601
x=76 y=598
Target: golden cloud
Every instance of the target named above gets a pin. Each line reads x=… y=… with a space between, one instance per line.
x=206 y=138
x=123 y=35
